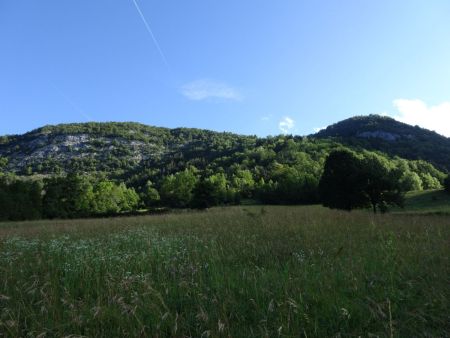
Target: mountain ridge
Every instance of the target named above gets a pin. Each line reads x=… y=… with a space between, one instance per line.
x=385 y=134
x=121 y=146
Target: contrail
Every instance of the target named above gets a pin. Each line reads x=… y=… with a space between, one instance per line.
x=86 y=116
x=155 y=41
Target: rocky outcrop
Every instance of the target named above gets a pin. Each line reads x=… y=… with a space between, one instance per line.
x=384 y=135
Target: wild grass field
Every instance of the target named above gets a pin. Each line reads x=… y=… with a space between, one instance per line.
x=248 y=271
x=427 y=201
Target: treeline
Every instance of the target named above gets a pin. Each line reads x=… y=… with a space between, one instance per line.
x=134 y=153
x=286 y=176
x=282 y=169
x=63 y=197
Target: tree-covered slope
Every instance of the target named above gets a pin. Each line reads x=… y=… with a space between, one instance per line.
x=387 y=135
x=102 y=168
x=111 y=147
x=134 y=152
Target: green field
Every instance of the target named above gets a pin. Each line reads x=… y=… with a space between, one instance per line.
x=428 y=201
x=247 y=271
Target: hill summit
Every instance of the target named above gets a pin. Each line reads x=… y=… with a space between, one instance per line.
x=385 y=134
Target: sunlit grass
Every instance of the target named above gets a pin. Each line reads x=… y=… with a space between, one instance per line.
x=428 y=201
x=241 y=271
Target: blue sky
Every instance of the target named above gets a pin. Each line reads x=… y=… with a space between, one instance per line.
x=247 y=66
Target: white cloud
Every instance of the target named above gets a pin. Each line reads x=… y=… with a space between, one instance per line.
x=316 y=130
x=417 y=112
x=204 y=89
x=286 y=124
x=266 y=118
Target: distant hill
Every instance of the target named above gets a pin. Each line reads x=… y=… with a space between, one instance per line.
x=112 y=147
x=135 y=152
x=389 y=136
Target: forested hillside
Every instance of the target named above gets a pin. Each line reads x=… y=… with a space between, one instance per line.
x=387 y=135
x=105 y=168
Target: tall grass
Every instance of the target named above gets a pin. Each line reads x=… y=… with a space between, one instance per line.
x=241 y=272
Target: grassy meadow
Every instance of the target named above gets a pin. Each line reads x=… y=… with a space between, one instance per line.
x=427 y=201
x=248 y=271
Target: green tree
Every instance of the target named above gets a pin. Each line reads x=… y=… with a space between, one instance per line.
x=29 y=171
x=20 y=200
x=210 y=191
x=219 y=187
x=130 y=198
x=410 y=181
x=111 y=198
x=447 y=184
x=177 y=189
x=204 y=195
x=430 y=182
x=350 y=181
x=3 y=162
x=292 y=185
x=342 y=183
x=68 y=197
x=381 y=186
x=150 y=195
x=243 y=182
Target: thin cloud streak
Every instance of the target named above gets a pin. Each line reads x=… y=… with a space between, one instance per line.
x=155 y=41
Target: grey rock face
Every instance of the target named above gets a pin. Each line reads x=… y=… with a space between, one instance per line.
x=379 y=134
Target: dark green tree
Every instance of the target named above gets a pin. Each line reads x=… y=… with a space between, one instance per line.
x=381 y=182
x=68 y=197
x=350 y=181
x=342 y=183
x=20 y=200
x=447 y=184
x=3 y=162
x=292 y=185
x=150 y=195
x=204 y=195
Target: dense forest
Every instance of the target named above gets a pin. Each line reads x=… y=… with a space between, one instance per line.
x=78 y=170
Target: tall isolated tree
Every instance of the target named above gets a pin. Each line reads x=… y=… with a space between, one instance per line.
x=342 y=182
x=353 y=181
